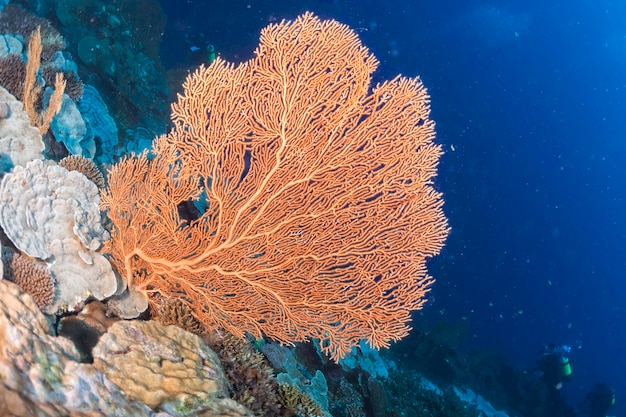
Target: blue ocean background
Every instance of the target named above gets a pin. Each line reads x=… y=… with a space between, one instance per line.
x=530 y=103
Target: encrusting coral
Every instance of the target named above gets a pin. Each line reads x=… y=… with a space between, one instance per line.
x=317 y=209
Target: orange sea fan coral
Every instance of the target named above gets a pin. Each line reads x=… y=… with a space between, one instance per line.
x=317 y=210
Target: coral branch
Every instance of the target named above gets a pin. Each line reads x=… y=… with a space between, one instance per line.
x=32 y=90
x=317 y=211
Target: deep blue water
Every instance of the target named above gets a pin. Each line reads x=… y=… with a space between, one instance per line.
x=530 y=103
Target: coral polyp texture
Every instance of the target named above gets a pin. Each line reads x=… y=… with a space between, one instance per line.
x=85 y=166
x=33 y=277
x=317 y=210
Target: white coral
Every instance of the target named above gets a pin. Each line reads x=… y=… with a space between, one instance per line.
x=19 y=141
x=43 y=202
x=52 y=214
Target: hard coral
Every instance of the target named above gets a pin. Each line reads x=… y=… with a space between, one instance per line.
x=12 y=74
x=20 y=142
x=252 y=379
x=51 y=213
x=297 y=402
x=32 y=277
x=74 y=87
x=163 y=366
x=14 y=19
x=40 y=374
x=174 y=312
x=85 y=166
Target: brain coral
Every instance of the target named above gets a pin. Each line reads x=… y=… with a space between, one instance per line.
x=32 y=277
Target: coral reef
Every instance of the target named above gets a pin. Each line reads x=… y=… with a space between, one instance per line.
x=43 y=202
x=126 y=303
x=99 y=364
x=116 y=44
x=298 y=403
x=41 y=374
x=100 y=124
x=252 y=380
x=317 y=220
x=174 y=312
x=12 y=74
x=69 y=128
x=74 y=87
x=411 y=392
x=15 y=20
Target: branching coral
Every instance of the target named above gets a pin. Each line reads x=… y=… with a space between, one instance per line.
x=14 y=19
x=12 y=74
x=252 y=380
x=297 y=403
x=74 y=86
